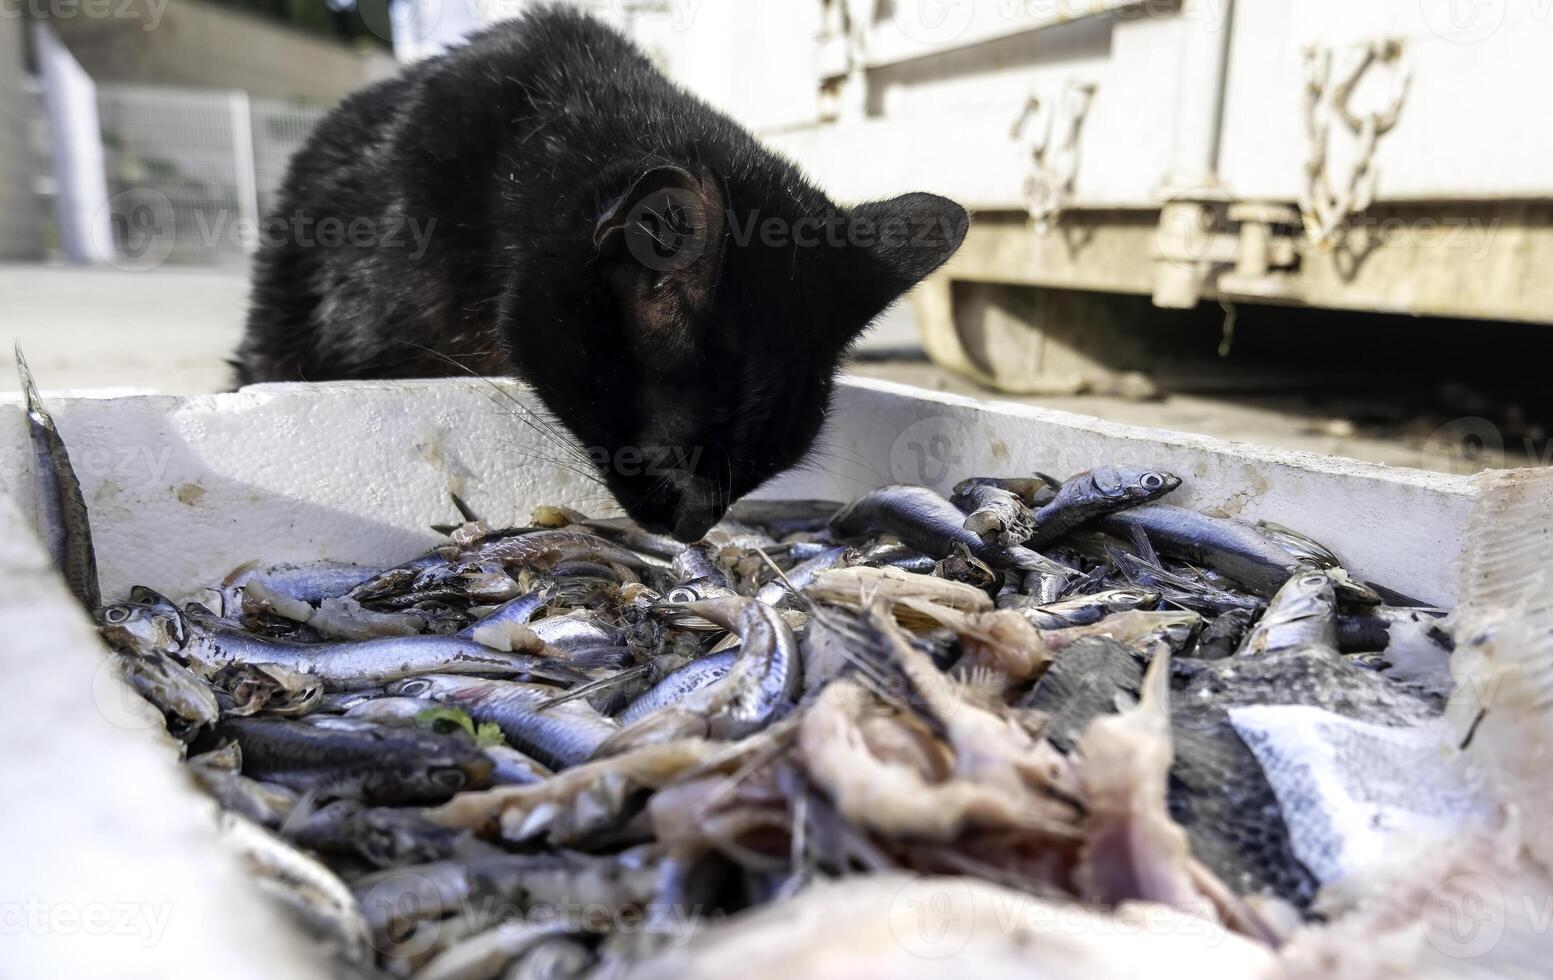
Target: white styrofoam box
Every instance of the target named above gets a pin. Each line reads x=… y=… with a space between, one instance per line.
x=184 y=489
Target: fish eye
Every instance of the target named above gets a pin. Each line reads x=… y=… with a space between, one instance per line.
x=682 y=594
x=1152 y=481
x=114 y=615
x=449 y=778
x=1313 y=580
x=414 y=689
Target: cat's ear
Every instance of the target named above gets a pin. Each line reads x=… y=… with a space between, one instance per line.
x=662 y=244
x=891 y=246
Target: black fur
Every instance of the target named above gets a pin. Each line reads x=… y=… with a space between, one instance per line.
x=678 y=296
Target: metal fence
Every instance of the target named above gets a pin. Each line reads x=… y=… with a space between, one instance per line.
x=209 y=163
x=205 y=164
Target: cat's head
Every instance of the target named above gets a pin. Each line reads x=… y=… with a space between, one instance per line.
x=694 y=359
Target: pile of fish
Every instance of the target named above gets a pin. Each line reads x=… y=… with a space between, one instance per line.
x=575 y=748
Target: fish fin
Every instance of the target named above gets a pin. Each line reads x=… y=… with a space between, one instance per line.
x=463 y=509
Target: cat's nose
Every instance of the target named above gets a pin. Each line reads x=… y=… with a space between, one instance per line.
x=696 y=514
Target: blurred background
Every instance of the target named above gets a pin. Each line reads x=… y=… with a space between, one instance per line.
x=1308 y=223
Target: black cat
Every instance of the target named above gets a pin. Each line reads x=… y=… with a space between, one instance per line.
x=543 y=202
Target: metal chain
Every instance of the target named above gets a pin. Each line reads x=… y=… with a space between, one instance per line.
x=1325 y=210
x=1050 y=136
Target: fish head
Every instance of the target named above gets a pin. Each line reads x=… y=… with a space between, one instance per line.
x=1133 y=484
x=432 y=768
x=144 y=627
x=434 y=687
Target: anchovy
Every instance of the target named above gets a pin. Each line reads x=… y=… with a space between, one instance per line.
x=543 y=550
x=311 y=582
x=346 y=757
x=576 y=632
x=688 y=679
x=186 y=700
x=517 y=611
x=393 y=900
x=566 y=735
x=267 y=804
x=894 y=555
x=784 y=517
x=1239 y=550
x=1222 y=637
x=513 y=768
x=372 y=663
x=357 y=664
x=382 y=836
x=695 y=564
x=798 y=577
x=1033 y=492
x=62 y=520
x=1302 y=547
x=1302 y=614
x=389 y=710
x=932 y=525
x=1081 y=610
x=767 y=674
x=1093 y=494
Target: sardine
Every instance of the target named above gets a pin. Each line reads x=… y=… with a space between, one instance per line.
x=543 y=550
x=1223 y=636
x=186 y=701
x=1235 y=548
x=1303 y=613
x=1034 y=492
x=562 y=736
x=358 y=664
x=267 y=804
x=382 y=836
x=334 y=757
x=784 y=517
x=779 y=589
x=763 y=681
x=310 y=582
x=696 y=564
x=688 y=679
x=925 y=521
x=513 y=768
x=519 y=612
x=1096 y=493
x=393 y=900
x=1081 y=610
x=62 y=520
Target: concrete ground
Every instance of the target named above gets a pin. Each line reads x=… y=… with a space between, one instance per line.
x=172 y=329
